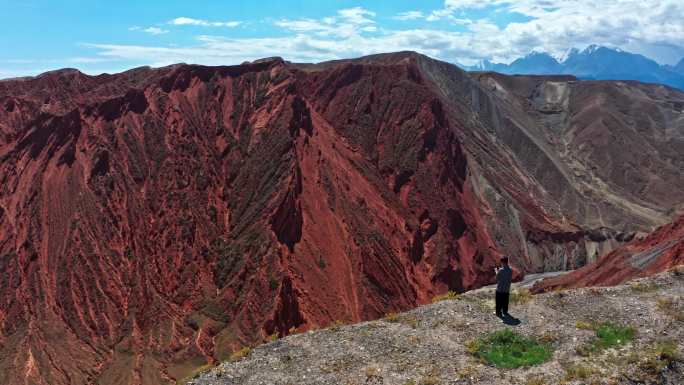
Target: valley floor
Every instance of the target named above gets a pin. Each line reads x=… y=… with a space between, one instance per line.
x=428 y=345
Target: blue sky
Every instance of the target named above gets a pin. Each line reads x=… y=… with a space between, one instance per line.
x=107 y=36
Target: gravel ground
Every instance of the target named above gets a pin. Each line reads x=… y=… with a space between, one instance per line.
x=427 y=346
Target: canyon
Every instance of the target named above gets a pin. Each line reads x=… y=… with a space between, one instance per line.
x=158 y=220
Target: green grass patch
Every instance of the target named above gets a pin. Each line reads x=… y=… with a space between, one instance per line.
x=608 y=335
x=508 y=349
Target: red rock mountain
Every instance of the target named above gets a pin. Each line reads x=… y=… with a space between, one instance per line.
x=158 y=219
x=659 y=251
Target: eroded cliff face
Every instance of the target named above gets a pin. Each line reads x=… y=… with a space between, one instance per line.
x=155 y=220
x=659 y=251
x=569 y=170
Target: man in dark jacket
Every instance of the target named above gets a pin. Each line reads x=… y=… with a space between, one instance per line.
x=504 y=275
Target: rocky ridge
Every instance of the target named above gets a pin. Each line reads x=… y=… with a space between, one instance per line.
x=428 y=345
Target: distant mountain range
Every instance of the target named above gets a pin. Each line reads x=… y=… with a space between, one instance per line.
x=594 y=62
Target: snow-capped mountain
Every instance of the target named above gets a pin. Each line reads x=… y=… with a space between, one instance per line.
x=679 y=68
x=594 y=62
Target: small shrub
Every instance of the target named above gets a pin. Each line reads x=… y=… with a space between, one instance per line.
x=548 y=338
x=472 y=347
x=403 y=319
x=644 y=287
x=466 y=372
x=410 y=321
x=508 y=349
x=595 y=291
x=410 y=382
x=240 y=354
x=391 y=317
x=430 y=380
x=335 y=326
x=584 y=325
x=520 y=296
x=448 y=296
x=535 y=380
x=579 y=371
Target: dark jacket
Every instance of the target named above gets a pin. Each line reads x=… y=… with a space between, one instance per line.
x=503 y=279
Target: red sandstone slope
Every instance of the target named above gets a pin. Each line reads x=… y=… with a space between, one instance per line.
x=157 y=219
x=660 y=251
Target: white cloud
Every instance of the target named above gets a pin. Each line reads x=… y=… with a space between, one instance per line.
x=155 y=31
x=549 y=25
x=356 y=15
x=204 y=23
x=347 y=23
x=215 y=50
x=409 y=15
x=304 y=25
x=644 y=26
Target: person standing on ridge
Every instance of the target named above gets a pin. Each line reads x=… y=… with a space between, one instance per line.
x=504 y=274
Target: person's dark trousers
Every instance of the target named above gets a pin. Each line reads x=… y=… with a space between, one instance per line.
x=501 y=303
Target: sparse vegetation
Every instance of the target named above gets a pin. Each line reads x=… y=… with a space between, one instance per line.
x=240 y=354
x=466 y=372
x=335 y=326
x=406 y=319
x=448 y=296
x=660 y=356
x=608 y=335
x=430 y=380
x=535 y=379
x=672 y=307
x=548 y=338
x=372 y=371
x=609 y=352
x=194 y=374
x=508 y=349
